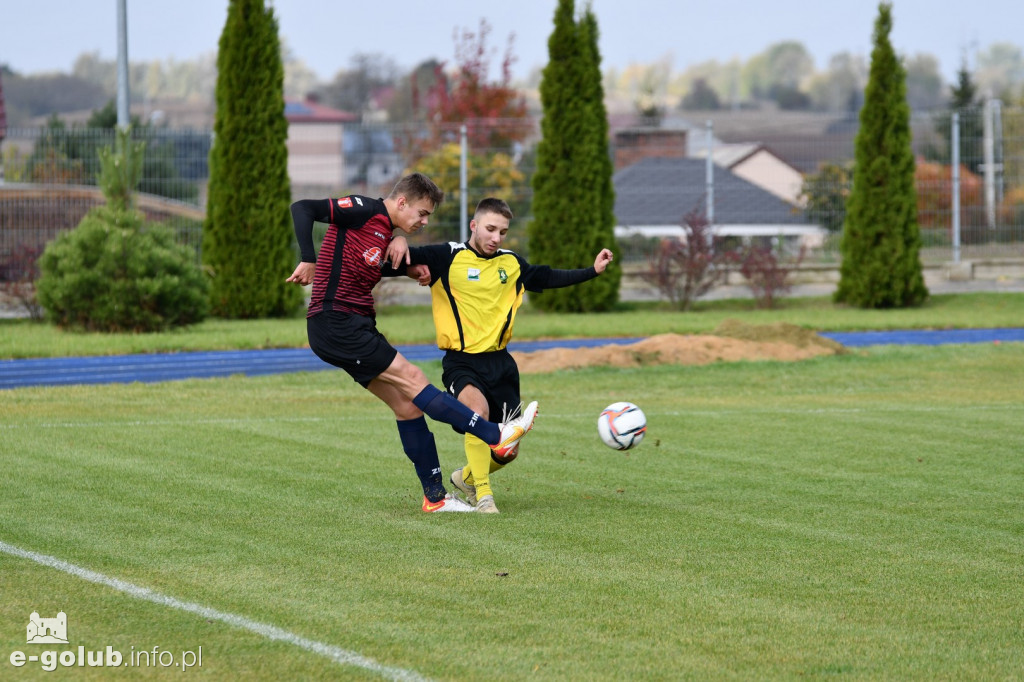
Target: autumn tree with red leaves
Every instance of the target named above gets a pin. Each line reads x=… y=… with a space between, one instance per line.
x=495 y=117
x=494 y=113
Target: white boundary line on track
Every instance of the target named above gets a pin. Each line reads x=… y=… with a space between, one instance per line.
x=336 y=654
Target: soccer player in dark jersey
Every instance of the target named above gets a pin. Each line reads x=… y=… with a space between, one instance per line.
x=342 y=330
x=476 y=289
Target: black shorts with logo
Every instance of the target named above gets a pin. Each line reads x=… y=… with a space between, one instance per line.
x=495 y=374
x=352 y=343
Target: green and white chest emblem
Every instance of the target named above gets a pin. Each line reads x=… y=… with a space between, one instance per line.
x=473 y=275
x=502 y=275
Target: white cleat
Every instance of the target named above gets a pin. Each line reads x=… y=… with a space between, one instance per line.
x=448 y=503
x=486 y=505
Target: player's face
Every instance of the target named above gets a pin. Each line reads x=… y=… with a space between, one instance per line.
x=489 y=231
x=412 y=215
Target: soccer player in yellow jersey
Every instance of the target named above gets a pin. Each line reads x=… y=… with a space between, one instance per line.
x=476 y=290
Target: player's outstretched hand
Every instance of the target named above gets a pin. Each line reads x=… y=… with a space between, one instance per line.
x=303 y=274
x=602 y=260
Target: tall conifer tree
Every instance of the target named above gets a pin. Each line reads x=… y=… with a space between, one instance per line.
x=881 y=242
x=247 y=238
x=573 y=195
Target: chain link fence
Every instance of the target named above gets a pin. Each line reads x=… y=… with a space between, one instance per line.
x=781 y=177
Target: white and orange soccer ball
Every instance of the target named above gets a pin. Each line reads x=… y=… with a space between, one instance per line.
x=622 y=425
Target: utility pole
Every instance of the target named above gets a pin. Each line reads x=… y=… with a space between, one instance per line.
x=463 y=185
x=123 y=119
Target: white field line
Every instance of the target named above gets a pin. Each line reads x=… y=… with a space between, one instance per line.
x=334 y=653
x=924 y=409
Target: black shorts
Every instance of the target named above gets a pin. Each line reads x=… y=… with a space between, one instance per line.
x=495 y=374
x=352 y=343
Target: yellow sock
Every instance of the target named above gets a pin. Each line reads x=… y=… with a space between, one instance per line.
x=467 y=471
x=478 y=454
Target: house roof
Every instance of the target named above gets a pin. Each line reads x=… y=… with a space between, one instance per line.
x=728 y=155
x=661 y=191
x=297 y=111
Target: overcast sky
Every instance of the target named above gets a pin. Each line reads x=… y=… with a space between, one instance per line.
x=47 y=35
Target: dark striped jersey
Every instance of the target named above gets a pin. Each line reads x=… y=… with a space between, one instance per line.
x=475 y=298
x=351 y=258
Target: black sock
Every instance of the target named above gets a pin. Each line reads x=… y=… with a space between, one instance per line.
x=444 y=408
x=418 y=443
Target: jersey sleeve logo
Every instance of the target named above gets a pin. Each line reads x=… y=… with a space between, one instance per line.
x=345 y=202
x=372 y=256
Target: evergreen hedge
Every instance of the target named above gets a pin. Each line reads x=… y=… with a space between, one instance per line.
x=573 y=197
x=248 y=244
x=881 y=242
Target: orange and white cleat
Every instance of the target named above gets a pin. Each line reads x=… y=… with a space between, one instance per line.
x=513 y=430
x=448 y=503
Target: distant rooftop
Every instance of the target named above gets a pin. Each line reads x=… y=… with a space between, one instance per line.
x=660 y=191
x=297 y=111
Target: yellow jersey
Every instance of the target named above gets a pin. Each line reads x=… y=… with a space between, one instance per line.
x=475 y=298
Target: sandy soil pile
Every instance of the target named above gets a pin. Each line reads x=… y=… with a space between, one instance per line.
x=731 y=341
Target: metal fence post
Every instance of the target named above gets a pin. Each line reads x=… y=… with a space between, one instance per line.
x=988 y=149
x=955 y=125
x=709 y=172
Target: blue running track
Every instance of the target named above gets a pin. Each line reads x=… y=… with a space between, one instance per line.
x=176 y=366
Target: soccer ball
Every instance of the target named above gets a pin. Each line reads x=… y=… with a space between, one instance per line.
x=622 y=425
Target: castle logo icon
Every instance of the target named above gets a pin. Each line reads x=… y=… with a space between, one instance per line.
x=48 y=630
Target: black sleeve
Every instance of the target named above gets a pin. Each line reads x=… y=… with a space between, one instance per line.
x=435 y=256
x=388 y=271
x=537 y=278
x=305 y=212
x=347 y=213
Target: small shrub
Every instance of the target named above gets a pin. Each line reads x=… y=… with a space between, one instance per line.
x=18 y=279
x=766 y=275
x=115 y=273
x=683 y=270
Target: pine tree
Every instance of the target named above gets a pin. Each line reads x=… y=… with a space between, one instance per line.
x=881 y=242
x=573 y=195
x=247 y=238
x=965 y=101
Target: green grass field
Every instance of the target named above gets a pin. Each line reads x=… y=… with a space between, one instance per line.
x=854 y=517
